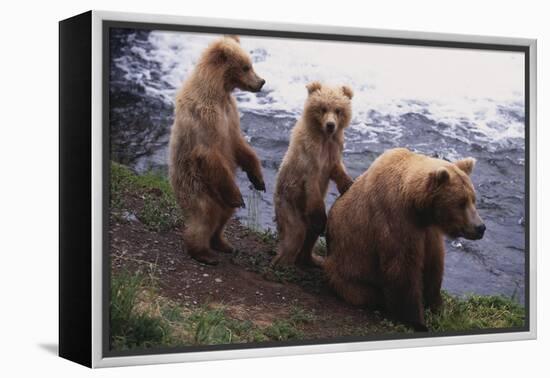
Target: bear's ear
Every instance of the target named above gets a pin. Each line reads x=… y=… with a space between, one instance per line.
x=233 y=37
x=438 y=177
x=466 y=165
x=348 y=92
x=218 y=54
x=313 y=86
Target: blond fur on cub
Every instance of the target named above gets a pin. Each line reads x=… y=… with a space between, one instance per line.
x=313 y=158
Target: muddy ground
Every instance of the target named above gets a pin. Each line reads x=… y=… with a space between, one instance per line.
x=244 y=283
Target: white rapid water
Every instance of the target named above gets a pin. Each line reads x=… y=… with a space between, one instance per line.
x=481 y=89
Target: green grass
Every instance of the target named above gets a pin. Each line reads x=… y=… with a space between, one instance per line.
x=157 y=209
x=129 y=327
x=141 y=318
x=290 y=329
x=476 y=312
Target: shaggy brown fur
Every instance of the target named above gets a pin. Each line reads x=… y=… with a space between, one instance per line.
x=385 y=235
x=313 y=158
x=206 y=146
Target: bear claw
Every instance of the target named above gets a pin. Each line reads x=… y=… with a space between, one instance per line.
x=258 y=183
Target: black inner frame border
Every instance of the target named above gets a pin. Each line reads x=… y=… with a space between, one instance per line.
x=107 y=25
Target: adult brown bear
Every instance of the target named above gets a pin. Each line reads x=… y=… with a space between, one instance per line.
x=206 y=146
x=385 y=235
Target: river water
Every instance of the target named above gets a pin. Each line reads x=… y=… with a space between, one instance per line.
x=447 y=103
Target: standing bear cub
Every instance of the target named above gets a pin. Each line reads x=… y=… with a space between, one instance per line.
x=385 y=235
x=206 y=146
x=313 y=158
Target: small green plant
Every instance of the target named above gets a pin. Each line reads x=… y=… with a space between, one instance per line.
x=159 y=214
x=267 y=236
x=290 y=328
x=282 y=330
x=299 y=315
x=211 y=327
x=321 y=247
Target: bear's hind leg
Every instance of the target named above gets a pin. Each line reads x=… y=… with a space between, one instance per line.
x=306 y=256
x=218 y=241
x=199 y=229
x=292 y=233
x=357 y=293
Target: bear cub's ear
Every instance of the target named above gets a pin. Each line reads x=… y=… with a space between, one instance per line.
x=233 y=37
x=218 y=56
x=438 y=177
x=348 y=92
x=313 y=86
x=466 y=165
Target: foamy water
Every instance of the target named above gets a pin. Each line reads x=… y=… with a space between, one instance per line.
x=481 y=89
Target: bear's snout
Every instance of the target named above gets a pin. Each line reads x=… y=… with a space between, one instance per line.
x=480 y=230
x=330 y=126
x=475 y=232
x=262 y=82
x=258 y=84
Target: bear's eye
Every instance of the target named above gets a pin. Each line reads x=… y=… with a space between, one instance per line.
x=324 y=109
x=246 y=68
x=338 y=112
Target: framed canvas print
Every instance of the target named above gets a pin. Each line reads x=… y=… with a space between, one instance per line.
x=234 y=189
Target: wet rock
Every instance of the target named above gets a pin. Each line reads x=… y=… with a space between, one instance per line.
x=129 y=217
x=457 y=244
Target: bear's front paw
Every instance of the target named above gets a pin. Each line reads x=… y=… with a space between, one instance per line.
x=318 y=221
x=258 y=182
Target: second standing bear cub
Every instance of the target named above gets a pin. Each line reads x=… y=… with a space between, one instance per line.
x=314 y=157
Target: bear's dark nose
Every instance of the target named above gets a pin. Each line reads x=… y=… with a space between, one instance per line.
x=262 y=82
x=480 y=230
x=330 y=126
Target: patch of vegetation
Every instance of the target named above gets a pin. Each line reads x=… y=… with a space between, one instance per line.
x=312 y=279
x=152 y=196
x=321 y=247
x=267 y=236
x=282 y=330
x=289 y=329
x=141 y=318
x=131 y=328
x=476 y=312
x=299 y=315
x=211 y=326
